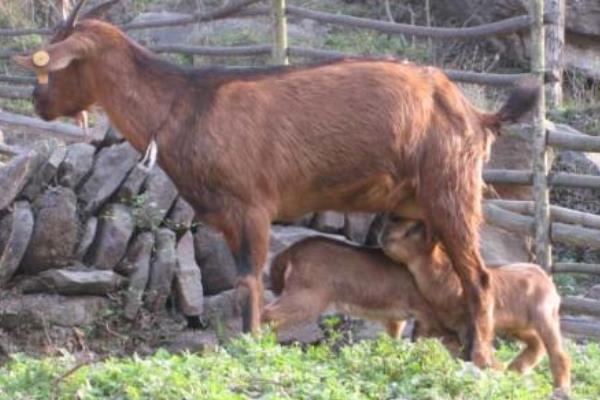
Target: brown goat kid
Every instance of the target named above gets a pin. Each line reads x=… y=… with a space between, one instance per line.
x=317 y=273
x=247 y=147
x=526 y=302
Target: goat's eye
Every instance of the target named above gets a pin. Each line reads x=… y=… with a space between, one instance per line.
x=416 y=229
x=395 y=219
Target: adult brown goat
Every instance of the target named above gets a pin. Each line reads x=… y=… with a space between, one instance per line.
x=248 y=147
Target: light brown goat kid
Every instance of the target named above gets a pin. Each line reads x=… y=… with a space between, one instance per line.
x=317 y=273
x=526 y=302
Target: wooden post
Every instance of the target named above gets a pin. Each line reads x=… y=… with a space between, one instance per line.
x=555 y=44
x=543 y=250
x=280 y=33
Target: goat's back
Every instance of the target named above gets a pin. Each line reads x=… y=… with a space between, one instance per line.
x=521 y=291
x=346 y=134
x=348 y=273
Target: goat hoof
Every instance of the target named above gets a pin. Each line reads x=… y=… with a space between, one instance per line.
x=482 y=359
x=560 y=394
x=197 y=323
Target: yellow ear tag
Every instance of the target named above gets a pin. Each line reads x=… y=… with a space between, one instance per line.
x=40 y=58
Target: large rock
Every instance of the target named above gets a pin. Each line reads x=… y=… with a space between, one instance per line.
x=45 y=173
x=192 y=341
x=87 y=237
x=218 y=265
x=41 y=310
x=221 y=307
x=76 y=165
x=132 y=184
x=73 y=282
x=357 y=226
x=55 y=233
x=215 y=260
x=283 y=237
x=181 y=216
x=188 y=280
x=162 y=270
x=115 y=228
x=16 y=229
x=158 y=195
x=502 y=247
x=111 y=167
x=15 y=175
x=583 y=17
x=329 y=221
x=138 y=267
x=511 y=153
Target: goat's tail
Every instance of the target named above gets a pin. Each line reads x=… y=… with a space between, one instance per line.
x=521 y=100
x=279 y=268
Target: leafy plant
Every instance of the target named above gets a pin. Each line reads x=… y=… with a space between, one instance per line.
x=261 y=368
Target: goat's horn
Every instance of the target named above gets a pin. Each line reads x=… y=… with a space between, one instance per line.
x=73 y=16
x=100 y=10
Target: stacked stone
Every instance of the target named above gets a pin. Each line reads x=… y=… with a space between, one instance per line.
x=81 y=221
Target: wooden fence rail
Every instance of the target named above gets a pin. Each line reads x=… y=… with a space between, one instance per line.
x=569 y=234
x=558 y=135
x=576 y=268
x=60 y=130
x=15 y=92
x=580 y=328
x=557 y=214
x=580 y=305
x=502 y=27
x=481 y=78
x=235 y=51
x=19 y=80
x=525 y=178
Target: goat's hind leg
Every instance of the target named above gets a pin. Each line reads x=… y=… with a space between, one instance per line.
x=294 y=308
x=530 y=356
x=560 y=363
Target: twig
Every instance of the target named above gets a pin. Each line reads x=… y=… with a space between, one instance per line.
x=60 y=379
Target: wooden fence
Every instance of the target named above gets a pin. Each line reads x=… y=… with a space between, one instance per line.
x=536 y=218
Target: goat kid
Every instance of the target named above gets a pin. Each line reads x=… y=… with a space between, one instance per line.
x=246 y=147
x=526 y=302
x=318 y=273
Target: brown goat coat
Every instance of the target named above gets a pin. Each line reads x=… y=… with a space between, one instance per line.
x=245 y=148
x=318 y=273
x=526 y=303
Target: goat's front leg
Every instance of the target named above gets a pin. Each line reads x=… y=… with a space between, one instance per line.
x=249 y=244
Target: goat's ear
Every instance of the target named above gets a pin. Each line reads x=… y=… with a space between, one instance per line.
x=99 y=12
x=54 y=57
x=23 y=61
x=61 y=54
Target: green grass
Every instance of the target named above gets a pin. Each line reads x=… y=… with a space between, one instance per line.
x=247 y=368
